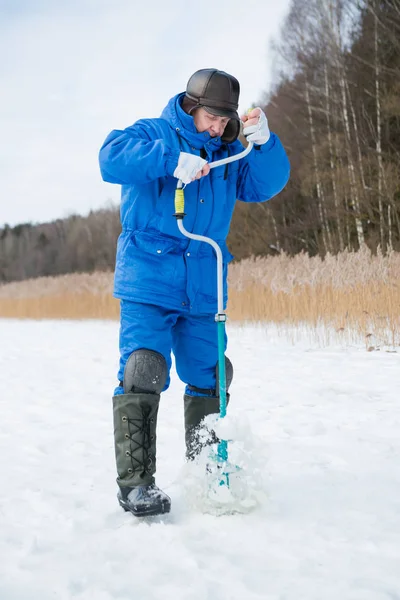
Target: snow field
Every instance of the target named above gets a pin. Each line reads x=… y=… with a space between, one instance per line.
x=318 y=429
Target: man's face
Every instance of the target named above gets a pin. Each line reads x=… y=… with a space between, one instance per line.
x=205 y=121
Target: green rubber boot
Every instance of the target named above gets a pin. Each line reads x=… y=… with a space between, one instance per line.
x=196 y=409
x=135 y=422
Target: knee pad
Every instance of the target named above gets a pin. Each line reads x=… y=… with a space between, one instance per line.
x=145 y=372
x=208 y=392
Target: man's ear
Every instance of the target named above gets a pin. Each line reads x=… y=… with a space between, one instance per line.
x=231 y=132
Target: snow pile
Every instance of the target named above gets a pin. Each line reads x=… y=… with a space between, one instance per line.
x=236 y=486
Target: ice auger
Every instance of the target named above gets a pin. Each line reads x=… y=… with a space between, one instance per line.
x=220 y=317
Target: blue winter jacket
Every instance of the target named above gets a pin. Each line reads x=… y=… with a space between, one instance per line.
x=155 y=263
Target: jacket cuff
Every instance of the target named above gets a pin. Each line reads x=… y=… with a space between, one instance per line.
x=268 y=145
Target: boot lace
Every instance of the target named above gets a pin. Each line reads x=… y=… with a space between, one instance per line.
x=139 y=434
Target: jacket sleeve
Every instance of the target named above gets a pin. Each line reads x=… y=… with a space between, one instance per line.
x=264 y=172
x=132 y=156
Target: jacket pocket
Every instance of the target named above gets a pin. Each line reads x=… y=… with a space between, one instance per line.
x=151 y=263
x=156 y=244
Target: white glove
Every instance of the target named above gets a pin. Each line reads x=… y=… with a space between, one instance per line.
x=258 y=134
x=188 y=166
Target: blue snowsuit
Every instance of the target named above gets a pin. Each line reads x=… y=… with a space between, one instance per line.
x=166 y=282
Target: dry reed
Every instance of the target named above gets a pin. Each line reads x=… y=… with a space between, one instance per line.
x=353 y=292
x=75 y=296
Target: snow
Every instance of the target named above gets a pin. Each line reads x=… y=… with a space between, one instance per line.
x=318 y=427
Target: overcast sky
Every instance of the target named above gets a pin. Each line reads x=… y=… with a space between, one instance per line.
x=71 y=71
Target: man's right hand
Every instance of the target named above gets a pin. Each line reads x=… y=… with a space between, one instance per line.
x=191 y=167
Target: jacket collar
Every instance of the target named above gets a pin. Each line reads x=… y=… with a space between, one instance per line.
x=185 y=127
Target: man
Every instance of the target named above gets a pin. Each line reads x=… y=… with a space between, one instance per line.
x=166 y=282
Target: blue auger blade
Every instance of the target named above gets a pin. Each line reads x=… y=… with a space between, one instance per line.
x=223 y=444
x=223 y=458
x=220 y=467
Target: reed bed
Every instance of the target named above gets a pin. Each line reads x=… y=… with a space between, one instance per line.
x=74 y=296
x=353 y=293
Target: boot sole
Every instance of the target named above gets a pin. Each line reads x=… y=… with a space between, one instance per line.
x=146 y=511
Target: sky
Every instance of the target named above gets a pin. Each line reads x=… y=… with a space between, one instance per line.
x=73 y=71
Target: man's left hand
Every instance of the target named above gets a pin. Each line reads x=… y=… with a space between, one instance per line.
x=256 y=128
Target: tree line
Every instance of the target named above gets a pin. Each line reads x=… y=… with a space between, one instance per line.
x=74 y=244
x=336 y=107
